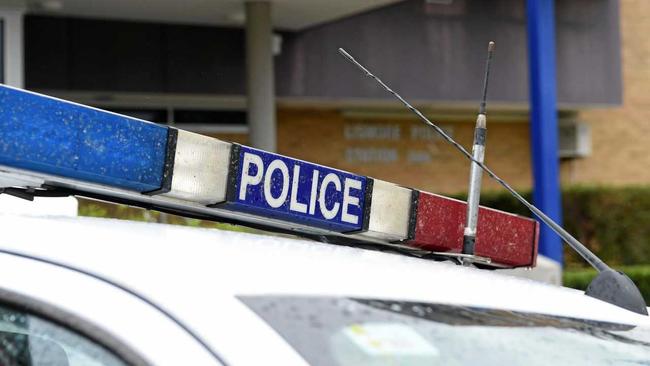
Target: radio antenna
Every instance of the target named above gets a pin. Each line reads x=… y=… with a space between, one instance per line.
x=475 y=172
x=610 y=286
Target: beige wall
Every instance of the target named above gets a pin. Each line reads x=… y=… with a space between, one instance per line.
x=320 y=136
x=620 y=143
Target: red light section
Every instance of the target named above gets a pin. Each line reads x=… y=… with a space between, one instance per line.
x=505 y=238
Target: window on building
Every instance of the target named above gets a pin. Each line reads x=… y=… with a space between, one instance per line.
x=151 y=115
x=209 y=121
x=221 y=117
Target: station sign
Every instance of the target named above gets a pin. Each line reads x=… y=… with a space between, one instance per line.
x=275 y=186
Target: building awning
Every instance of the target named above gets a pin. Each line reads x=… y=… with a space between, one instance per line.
x=287 y=14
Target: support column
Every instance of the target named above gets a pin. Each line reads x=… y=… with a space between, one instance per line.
x=543 y=120
x=12 y=46
x=260 y=76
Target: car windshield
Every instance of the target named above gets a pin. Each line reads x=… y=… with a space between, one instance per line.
x=348 y=331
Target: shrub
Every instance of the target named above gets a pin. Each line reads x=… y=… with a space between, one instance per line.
x=94 y=208
x=614 y=222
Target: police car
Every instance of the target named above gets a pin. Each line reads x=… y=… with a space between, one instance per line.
x=369 y=276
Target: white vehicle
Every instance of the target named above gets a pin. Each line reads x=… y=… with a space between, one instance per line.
x=90 y=291
x=377 y=286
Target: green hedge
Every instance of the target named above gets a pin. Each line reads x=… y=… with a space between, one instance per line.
x=94 y=208
x=612 y=222
x=580 y=279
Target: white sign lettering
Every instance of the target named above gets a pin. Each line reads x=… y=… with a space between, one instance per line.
x=276 y=202
x=279 y=180
x=371 y=155
x=426 y=133
x=294 y=205
x=350 y=200
x=372 y=132
x=329 y=213
x=246 y=179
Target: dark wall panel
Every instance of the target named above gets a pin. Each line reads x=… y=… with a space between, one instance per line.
x=121 y=56
x=589 y=51
x=205 y=60
x=103 y=55
x=427 y=51
x=46 y=53
x=436 y=52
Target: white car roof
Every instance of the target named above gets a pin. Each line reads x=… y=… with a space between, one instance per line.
x=169 y=262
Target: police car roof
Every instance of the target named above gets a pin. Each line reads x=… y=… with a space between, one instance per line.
x=191 y=270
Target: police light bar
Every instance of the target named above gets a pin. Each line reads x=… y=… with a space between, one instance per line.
x=54 y=144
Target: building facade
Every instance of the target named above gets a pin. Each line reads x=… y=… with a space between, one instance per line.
x=194 y=76
x=618 y=154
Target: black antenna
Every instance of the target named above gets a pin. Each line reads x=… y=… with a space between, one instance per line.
x=475 y=172
x=481 y=109
x=611 y=286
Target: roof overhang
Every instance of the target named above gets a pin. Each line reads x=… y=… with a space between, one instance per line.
x=287 y=14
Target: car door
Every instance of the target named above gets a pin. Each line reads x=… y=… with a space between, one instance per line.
x=49 y=312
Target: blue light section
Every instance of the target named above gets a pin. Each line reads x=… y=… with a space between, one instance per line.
x=260 y=172
x=48 y=135
x=543 y=124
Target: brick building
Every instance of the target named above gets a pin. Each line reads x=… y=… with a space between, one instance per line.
x=618 y=155
x=191 y=64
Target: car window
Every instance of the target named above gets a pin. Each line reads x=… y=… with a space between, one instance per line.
x=28 y=340
x=348 y=331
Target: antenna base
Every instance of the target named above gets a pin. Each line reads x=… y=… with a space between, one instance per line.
x=468 y=244
x=618 y=289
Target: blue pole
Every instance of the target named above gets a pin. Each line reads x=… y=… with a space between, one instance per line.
x=543 y=120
